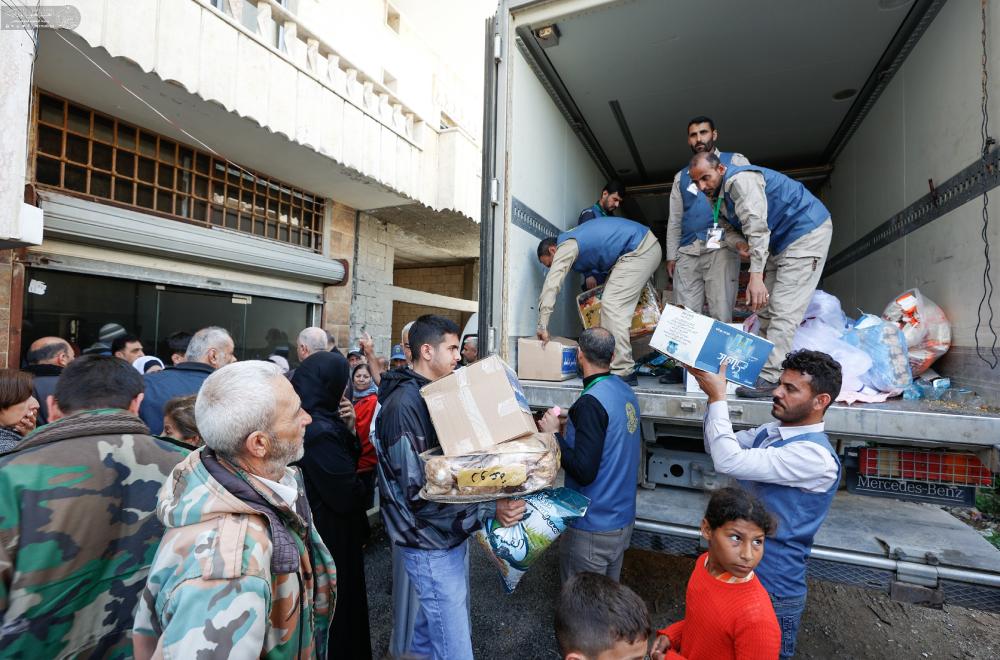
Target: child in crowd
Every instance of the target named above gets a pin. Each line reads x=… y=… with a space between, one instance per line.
x=728 y=614
x=599 y=619
x=179 y=422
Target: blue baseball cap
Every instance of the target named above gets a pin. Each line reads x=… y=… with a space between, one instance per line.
x=397 y=353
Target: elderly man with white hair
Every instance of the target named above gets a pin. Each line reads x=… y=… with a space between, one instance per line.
x=241 y=571
x=209 y=349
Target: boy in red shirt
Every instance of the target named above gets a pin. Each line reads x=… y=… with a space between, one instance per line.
x=728 y=614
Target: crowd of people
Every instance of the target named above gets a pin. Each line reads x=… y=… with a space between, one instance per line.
x=216 y=508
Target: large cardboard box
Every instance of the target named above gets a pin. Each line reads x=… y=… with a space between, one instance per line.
x=556 y=360
x=478 y=407
x=705 y=343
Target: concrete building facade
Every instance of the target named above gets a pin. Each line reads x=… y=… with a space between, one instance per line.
x=257 y=164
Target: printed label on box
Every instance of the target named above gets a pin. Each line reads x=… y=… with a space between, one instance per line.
x=705 y=343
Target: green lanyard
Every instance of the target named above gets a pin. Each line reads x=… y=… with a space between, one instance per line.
x=594 y=382
x=715 y=211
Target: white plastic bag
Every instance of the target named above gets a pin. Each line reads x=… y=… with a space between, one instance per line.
x=826 y=309
x=924 y=325
x=816 y=335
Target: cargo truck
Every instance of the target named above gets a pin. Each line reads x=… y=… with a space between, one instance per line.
x=877 y=106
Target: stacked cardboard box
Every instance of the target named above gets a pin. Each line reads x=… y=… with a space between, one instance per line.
x=478 y=412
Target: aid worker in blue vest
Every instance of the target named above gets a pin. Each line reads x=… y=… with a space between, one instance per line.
x=787 y=233
x=611 y=198
x=600 y=454
x=628 y=251
x=790 y=465
x=703 y=268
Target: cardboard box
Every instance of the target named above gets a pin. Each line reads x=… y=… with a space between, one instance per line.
x=691 y=385
x=554 y=361
x=478 y=407
x=705 y=343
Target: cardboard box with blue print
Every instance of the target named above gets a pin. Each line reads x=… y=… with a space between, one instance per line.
x=555 y=360
x=477 y=407
x=703 y=342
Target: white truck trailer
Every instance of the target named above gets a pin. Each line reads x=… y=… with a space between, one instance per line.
x=878 y=106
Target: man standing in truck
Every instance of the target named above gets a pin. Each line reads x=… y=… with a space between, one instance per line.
x=611 y=198
x=626 y=249
x=789 y=464
x=703 y=267
x=787 y=232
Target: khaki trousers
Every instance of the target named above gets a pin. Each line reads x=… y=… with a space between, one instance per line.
x=712 y=275
x=621 y=294
x=791 y=278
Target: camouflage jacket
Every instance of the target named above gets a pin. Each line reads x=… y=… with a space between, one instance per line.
x=212 y=591
x=402 y=430
x=78 y=532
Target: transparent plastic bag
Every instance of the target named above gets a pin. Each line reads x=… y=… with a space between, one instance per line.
x=514 y=549
x=885 y=344
x=924 y=325
x=826 y=309
x=516 y=467
x=816 y=335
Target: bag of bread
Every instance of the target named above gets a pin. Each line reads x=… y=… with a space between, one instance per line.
x=516 y=467
x=514 y=549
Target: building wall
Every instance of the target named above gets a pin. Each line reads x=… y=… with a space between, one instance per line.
x=340 y=237
x=371 y=308
x=451 y=281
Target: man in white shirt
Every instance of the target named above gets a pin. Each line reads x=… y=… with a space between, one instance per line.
x=789 y=464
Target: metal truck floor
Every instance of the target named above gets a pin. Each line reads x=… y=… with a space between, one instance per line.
x=896 y=420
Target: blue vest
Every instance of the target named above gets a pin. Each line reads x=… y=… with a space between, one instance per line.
x=800 y=514
x=792 y=211
x=590 y=213
x=612 y=493
x=602 y=243
x=697 y=207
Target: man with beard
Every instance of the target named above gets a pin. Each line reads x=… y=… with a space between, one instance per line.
x=787 y=232
x=612 y=195
x=790 y=465
x=702 y=269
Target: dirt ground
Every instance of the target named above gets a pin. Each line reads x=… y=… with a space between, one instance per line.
x=839 y=622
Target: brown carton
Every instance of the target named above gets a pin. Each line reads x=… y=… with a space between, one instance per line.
x=478 y=407
x=556 y=360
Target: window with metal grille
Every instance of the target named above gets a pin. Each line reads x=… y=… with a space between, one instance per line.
x=89 y=154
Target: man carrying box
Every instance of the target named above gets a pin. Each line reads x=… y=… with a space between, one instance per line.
x=430 y=537
x=788 y=230
x=628 y=250
x=600 y=454
x=790 y=465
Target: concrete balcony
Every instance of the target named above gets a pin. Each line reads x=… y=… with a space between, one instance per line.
x=275 y=70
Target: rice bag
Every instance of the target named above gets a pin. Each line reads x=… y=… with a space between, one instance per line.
x=516 y=467
x=514 y=549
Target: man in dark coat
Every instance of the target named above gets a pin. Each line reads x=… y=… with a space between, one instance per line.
x=337 y=496
x=46 y=359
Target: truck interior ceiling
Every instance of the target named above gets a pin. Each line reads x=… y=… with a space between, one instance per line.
x=785 y=81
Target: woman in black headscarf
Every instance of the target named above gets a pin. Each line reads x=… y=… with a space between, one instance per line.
x=336 y=496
